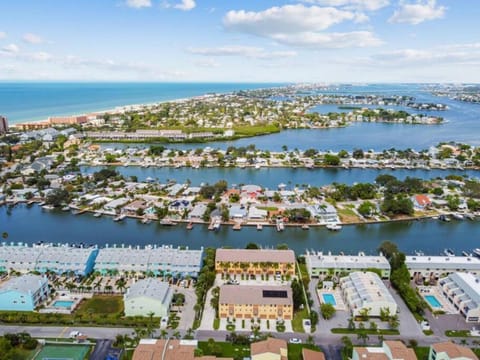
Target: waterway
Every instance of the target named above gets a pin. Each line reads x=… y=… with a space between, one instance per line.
x=32 y=225
x=272 y=177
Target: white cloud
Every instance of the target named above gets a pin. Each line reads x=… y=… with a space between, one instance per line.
x=299 y=25
x=417 y=12
x=186 y=5
x=41 y=56
x=32 y=38
x=246 y=51
x=367 y=5
x=291 y=18
x=138 y=4
x=207 y=63
x=3 y=35
x=10 y=49
x=330 y=40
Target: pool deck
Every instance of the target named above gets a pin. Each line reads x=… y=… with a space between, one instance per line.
x=65 y=296
x=437 y=292
x=339 y=304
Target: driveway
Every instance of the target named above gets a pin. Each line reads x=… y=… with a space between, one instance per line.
x=101 y=349
x=187 y=314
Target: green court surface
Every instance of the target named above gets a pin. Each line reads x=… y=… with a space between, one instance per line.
x=62 y=352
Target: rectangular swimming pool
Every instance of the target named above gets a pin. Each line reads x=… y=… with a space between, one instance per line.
x=67 y=304
x=432 y=300
x=329 y=299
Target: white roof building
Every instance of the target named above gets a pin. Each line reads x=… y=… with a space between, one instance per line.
x=321 y=265
x=435 y=267
x=148 y=296
x=463 y=291
x=365 y=290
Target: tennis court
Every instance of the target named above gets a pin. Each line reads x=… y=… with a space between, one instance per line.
x=62 y=352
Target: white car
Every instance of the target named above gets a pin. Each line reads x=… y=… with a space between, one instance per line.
x=295 y=341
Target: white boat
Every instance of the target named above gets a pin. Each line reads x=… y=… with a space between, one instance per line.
x=457 y=216
x=258 y=166
x=66 y=208
x=305 y=227
x=167 y=222
x=145 y=221
x=476 y=252
x=280 y=225
x=334 y=227
x=448 y=252
x=97 y=214
x=119 y=218
x=48 y=207
x=259 y=227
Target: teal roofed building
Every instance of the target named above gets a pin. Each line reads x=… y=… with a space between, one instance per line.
x=23 y=293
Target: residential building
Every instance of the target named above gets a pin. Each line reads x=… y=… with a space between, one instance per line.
x=270 y=349
x=365 y=290
x=421 y=202
x=162 y=260
x=308 y=354
x=148 y=296
x=263 y=302
x=324 y=213
x=3 y=125
x=153 y=349
x=67 y=120
x=320 y=265
x=255 y=261
x=58 y=259
x=434 y=267
x=23 y=293
x=449 y=351
x=197 y=212
x=390 y=350
x=463 y=291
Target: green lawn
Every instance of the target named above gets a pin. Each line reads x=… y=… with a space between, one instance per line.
x=101 y=305
x=297 y=322
x=422 y=352
x=295 y=350
x=457 y=333
x=224 y=349
x=368 y=331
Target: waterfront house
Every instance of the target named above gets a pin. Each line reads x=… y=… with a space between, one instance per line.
x=255 y=261
x=390 y=350
x=421 y=202
x=237 y=212
x=324 y=213
x=463 y=291
x=320 y=265
x=112 y=206
x=269 y=349
x=255 y=302
x=365 y=290
x=255 y=213
x=432 y=268
x=449 y=351
x=197 y=212
x=136 y=207
x=23 y=293
x=148 y=296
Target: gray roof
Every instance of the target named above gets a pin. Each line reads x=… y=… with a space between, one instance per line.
x=151 y=288
x=24 y=284
x=442 y=262
x=319 y=260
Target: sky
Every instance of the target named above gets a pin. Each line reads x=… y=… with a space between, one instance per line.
x=358 y=41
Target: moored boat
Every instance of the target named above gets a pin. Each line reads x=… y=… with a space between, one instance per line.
x=259 y=227
x=334 y=227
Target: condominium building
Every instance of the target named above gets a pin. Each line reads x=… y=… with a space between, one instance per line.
x=263 y=302
x=365 y=290
x=390 y=350
x=435 y=267
x=463 y=291
x=163 y=260
x=58 y=259
x=449 y=351
x=148 y=296
x=23 y=293
x=3 y=125
x=321 y=265
x=255 y=261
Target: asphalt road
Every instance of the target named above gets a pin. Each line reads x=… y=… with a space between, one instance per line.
x=64 y=332
x=101 y=349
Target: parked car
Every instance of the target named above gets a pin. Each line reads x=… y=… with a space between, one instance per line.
x=295 y=341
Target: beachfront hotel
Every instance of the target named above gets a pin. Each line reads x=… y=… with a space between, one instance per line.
x=320 y=265
x=23 y=293
x=434 y=267
x=162 y=260
x=58 y=259
x=463 y=291
x=148 y=296
x=365 y=290
x=238 y=261
x=255 y=302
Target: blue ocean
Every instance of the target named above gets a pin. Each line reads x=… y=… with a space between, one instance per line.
x=31 y=101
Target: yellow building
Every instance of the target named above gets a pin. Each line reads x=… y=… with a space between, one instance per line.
x=255 y=261
x=270 y=349
x=263 y=302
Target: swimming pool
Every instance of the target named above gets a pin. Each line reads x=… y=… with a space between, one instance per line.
x=67 y=304
x=432 y=300
x=329 y=299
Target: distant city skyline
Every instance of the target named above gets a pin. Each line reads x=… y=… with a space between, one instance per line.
x=247 y=41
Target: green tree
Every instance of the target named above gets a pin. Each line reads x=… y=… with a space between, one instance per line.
x=327 y=311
